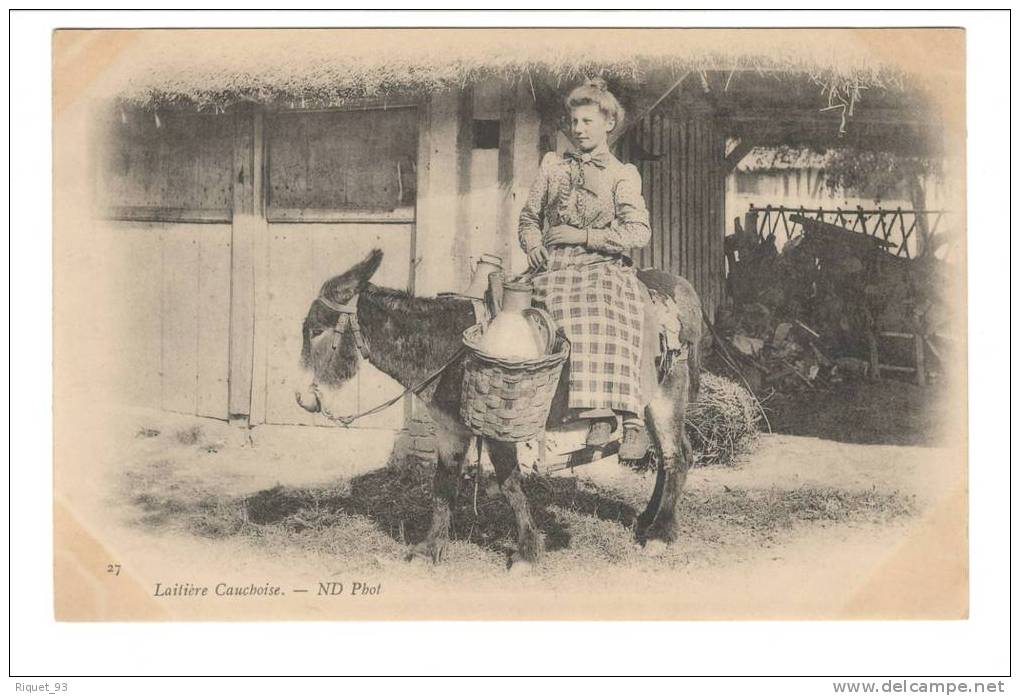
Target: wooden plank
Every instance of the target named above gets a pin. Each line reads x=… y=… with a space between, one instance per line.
x=294 y=281
x=241 y=370
x=259 y=234
x=135 y=278
x=437 y=194
x=242 y=259
x=647 y=181
x=663 y=193
x=137 y=213
x=505 y=169
x=383 y=217
x=690 y=270
x=921 y=377
x=721 y=203
x=638 y=254
x=694 y=228
x=711 y=222
x=718 y=186
x=708 y=186
x=705 y=231
x=423 y=202
x=213 y=356
x=180 y=321
x=681 y=202
x=145 y=261
x=653 y=191
x=708 y=191
x=744 y=145
x=527 y=156
x=716 y=227
x=676 y=164
x=700 y=208
x=465 y=148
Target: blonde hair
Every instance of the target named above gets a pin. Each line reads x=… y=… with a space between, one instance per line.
x=594 y=91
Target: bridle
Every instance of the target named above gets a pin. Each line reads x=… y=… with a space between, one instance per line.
x=347 y=315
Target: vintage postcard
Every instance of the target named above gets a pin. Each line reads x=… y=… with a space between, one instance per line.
x=509 y=324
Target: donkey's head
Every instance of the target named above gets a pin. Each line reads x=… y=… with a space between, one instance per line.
x=330 y=337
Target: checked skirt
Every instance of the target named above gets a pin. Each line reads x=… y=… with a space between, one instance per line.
x=596 y=299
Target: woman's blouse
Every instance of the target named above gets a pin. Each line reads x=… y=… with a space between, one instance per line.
x=593 y=191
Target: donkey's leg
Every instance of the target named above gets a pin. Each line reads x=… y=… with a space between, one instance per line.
x=530 y=542
x=646 y=518
x=451 y=445
x=666 y=417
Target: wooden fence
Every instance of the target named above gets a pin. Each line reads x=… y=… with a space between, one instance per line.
x=906 y=232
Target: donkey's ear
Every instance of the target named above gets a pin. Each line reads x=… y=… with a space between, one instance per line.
x=367 y=268
x=342 y=288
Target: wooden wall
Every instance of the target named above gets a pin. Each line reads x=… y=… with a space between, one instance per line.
x=213 y=308
x=685 y=191
x=172 y=319
x=439 y=261
x=210 y=309
x=470 y=198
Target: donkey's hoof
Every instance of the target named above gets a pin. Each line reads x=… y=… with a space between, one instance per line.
x=655 y=548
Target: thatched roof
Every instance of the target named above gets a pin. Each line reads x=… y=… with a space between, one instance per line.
x=215 y=68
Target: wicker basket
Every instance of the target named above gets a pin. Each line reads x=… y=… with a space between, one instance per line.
x=508 y=400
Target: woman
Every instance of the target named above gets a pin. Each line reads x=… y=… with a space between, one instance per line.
x=594 y=214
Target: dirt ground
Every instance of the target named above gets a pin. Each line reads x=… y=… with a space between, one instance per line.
x=882 y=413
x=800 y=527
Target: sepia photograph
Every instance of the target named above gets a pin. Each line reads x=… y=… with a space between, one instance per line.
x=593 y=323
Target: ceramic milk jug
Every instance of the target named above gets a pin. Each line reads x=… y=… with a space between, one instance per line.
x=514 y=333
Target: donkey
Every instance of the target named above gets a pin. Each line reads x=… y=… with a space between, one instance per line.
x=412 y=339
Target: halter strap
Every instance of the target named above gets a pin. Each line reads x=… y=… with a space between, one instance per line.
x=349 y=308
x=347 y=315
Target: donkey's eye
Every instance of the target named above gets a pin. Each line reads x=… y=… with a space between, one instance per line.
x=316 y=332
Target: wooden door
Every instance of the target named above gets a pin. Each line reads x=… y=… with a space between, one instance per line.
x=162 y=192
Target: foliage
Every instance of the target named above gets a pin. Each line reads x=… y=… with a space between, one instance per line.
x=878 y=175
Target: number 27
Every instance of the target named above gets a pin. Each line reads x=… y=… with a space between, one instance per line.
x=113 y=568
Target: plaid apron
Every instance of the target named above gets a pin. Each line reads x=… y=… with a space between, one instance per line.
x=596 y=299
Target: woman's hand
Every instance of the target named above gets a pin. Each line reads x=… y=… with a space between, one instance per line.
x=566 y=234
x=537 y=257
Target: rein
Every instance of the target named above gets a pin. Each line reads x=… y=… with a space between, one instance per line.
x=348 y=315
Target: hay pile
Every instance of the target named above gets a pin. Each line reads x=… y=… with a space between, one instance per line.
x=723 y=422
